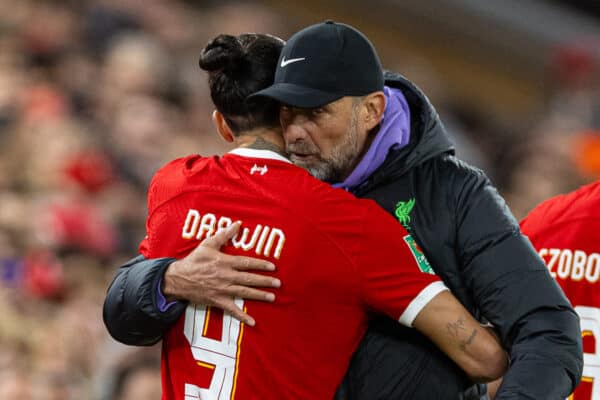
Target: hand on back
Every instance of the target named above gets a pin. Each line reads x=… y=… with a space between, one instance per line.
x=208 y=276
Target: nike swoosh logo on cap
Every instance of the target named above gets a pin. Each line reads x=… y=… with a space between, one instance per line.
x=285 y=62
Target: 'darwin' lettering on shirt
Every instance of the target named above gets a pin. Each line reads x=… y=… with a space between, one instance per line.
x=263 y=239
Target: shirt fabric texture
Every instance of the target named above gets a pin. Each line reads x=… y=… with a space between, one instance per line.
x=348 y=253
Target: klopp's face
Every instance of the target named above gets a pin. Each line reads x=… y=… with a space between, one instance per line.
x=327 y=140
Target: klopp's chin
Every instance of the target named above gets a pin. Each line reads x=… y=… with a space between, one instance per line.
x=321 y=172
x=317 y=168
x=311 y=168
x=301 y=161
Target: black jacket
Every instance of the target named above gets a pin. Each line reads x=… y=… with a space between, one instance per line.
x=473 y=243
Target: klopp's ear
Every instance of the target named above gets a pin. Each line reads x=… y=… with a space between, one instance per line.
x=222 y=126
x=374 y=106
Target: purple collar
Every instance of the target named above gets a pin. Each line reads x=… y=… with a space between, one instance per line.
x=394 y=132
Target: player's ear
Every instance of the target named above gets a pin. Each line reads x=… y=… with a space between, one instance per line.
x=222 y=127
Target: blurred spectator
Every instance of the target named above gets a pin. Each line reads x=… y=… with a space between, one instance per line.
x=94 y=97
x=574 y=88
x=542 y=166
x=138 y=379
x=16 y=384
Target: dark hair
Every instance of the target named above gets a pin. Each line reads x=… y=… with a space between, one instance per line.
x=237 y=67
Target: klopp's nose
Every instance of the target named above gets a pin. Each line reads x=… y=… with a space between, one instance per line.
x=293 y=133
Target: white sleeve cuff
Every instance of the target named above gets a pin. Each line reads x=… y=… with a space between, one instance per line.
x=417 y=304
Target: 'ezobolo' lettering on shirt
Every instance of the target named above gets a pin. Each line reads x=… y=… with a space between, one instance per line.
x=261 y=239
x=572 y=264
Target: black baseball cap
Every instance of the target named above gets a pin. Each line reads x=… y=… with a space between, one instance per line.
x=323 y=63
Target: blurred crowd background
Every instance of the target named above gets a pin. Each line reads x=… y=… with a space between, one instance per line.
x=95 y=95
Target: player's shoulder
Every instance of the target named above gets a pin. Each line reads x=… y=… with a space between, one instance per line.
x=179 y=169
x=575 y=204
x=336 y=207
x=328 y=198
x=173 y=176
x=587 y=195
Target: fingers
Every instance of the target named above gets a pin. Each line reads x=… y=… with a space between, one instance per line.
x=248 y=293
x=242 y=263
x=237 y=313
x=255 y=280
x=222 y=236
x=239 y=263
x=218 y=278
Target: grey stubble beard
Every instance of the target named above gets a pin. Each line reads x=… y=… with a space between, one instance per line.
x=334 y=168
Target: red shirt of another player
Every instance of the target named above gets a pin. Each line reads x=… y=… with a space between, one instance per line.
x=336 y=256
x=565 y=230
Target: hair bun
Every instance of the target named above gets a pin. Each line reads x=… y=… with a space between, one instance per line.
x=223 y=53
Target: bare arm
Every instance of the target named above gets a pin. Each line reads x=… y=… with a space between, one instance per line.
x=471 y=346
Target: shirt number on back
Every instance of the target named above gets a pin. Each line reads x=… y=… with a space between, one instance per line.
x=219 y=355
x=589 y=388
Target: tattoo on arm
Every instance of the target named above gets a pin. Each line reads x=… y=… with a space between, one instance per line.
x=454 y=328
x=465 y=343
x=457 y=330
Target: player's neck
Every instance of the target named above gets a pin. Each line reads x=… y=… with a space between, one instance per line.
x=262 y=140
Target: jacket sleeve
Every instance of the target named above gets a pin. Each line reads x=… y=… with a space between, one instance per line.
x=515 y=292
x=131 y=311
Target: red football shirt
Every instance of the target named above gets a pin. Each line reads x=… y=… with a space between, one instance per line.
x=336 y=256
x=565 y=230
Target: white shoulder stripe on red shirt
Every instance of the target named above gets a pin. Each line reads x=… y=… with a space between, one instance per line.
x=416 y=305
